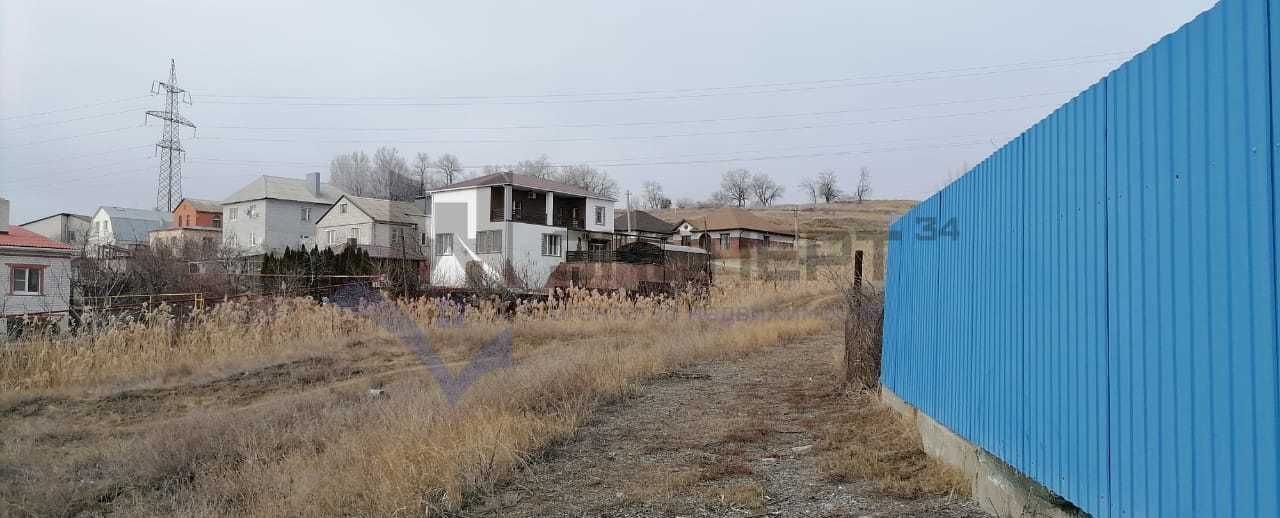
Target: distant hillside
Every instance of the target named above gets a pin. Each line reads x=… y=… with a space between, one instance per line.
x=869 y=217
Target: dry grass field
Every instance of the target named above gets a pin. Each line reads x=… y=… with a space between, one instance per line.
x=261 y=409
x=869 y=218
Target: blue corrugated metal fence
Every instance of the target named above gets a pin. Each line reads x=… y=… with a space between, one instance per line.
x=1096 y=302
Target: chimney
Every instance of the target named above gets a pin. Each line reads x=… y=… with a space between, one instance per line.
x=313 y=183
x=4 y=216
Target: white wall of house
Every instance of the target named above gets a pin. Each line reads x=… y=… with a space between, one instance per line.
x=527 y=259
x=271 y=226
x=55 y=293
x=342 y=224
x=592 y=209
x=62 y=228
x=100 y=232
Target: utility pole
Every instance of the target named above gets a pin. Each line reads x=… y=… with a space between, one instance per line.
x=169 y=185
x=629 y=210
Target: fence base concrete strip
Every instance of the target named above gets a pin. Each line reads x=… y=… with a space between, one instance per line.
x=999 y=488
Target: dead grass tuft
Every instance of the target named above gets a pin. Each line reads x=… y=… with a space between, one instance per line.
x=871 y=442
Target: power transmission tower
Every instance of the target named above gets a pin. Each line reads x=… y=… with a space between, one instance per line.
x=169 y=187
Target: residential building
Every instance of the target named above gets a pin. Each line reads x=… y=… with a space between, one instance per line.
x=390 y=231
x=731 y=233
x=117 y=230
x=642 y=225
x=196 y=229
x=514 y=229
x=272 y=213
x=35 y=272
x=64 y=227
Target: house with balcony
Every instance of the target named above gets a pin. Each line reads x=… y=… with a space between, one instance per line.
x=514 y=230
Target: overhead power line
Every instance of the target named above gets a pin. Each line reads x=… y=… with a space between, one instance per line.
x=133 y=110
x=71 y=137
x=1017 y=66
x=71 y=108
x=653 y=122
x=632 y=137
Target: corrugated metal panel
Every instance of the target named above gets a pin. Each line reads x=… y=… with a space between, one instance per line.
x=1106 y=321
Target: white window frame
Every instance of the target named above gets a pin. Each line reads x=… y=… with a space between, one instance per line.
x=354 y=233
x=342 y=208
x=489 y=242
x=444 y=244
x=599 y=215
x=331 y=236
x=724 y=240
x=306 y=214
x=27 y=273
x=253 y=238
x=233 y=213
x=552 y=245
x=252 y=211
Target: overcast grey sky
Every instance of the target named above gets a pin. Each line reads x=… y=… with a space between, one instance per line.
x=910 y=89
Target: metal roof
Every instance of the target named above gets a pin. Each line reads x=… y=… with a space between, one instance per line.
x=641 y=221
x=18 y=237
x=731 y=218
x=384 y=210
x=133 y=224
x=201 y=205
x=291 y=189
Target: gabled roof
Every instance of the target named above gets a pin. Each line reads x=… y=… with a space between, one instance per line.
x=67 y=214
x=201 y=205
x=731 y=218
x=277 y=188
x=526 y=181
x=641 y=221
x=382 y=211
x=133 y=224
x=18 y=237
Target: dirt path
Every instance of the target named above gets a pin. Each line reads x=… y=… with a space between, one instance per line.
x=731 y=439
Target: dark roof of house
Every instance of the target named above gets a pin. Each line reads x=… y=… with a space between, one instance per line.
x=641 y=221
x=526 y=181
x=731 y=218
x=22 y=238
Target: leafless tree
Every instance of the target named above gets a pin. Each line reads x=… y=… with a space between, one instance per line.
x=352 y=173
x=810 y=189
x=391 y=176
x=864 y=185
x=735 y=185
x=652 y=196
x=450 y=168
x=765 y=190
x=593 y=180
x=717 y=199
x=828 y=186
x=422 y=167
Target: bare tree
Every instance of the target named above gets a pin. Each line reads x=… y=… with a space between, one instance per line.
x=450 y=168
x=391 y=176
x=765 y=190
x=828 y=186
x=652 y=196
x=810 y=189
x=352 y=173
x=593 y=180
x=864 y=185
x=735 y=185
x=422 y=167
x=540 y=167
x=717 y=199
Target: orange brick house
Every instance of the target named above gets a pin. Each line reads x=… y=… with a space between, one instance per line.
x=196 y=228
x=731 y=233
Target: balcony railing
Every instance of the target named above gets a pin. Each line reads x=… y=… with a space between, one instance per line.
x=591 y=256
x=520 y=215
x=568 y=221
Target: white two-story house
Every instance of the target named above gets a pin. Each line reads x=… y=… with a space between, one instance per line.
x=35 y=276
x=272 y=213
x=514 y=229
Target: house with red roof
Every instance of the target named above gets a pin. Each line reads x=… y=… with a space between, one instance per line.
x=35 y=275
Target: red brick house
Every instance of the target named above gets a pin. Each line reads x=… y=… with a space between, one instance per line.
x=732 y=232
